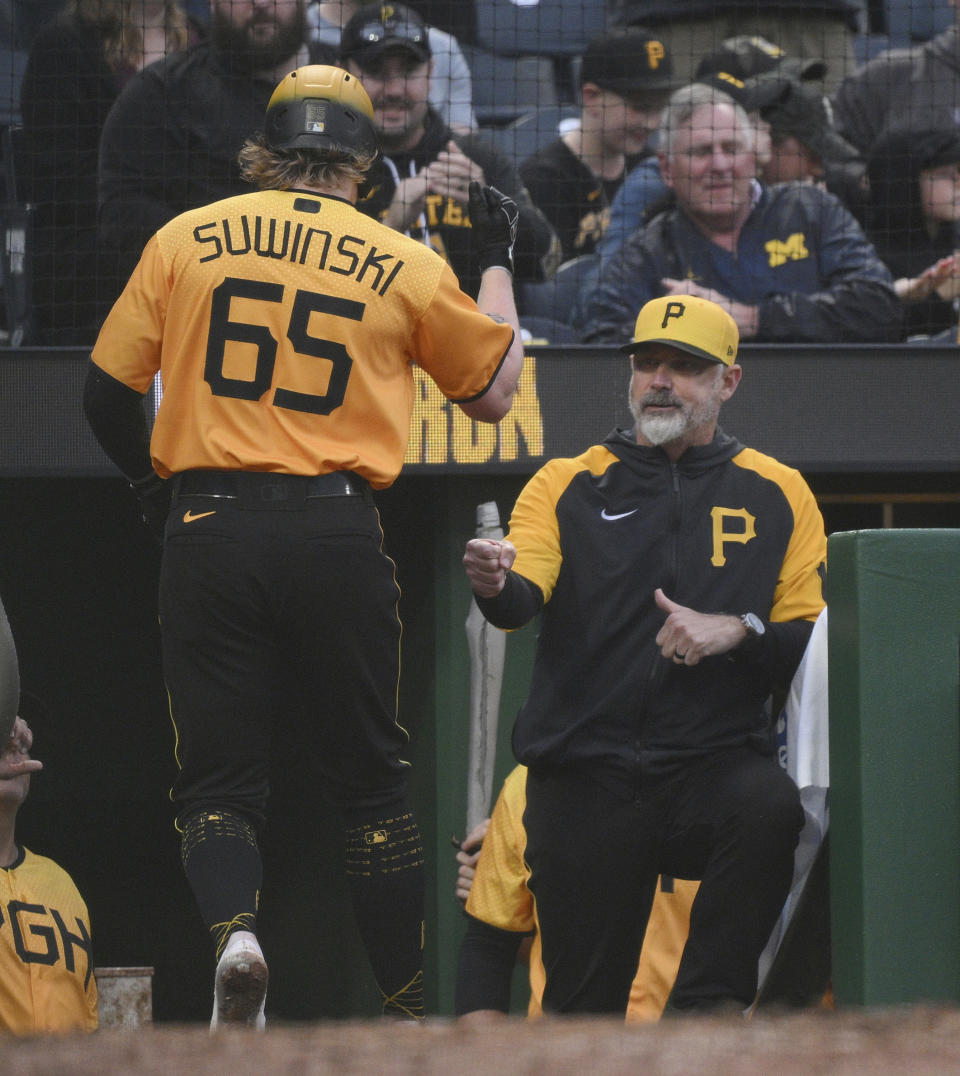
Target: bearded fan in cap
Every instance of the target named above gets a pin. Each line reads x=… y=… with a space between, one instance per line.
x=421 y=184
x=451 y=85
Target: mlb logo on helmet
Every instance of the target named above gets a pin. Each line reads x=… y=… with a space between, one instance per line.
x=687 y=322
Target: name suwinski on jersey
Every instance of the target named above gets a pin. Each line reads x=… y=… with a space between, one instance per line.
x=35 y=938
x=268 y=237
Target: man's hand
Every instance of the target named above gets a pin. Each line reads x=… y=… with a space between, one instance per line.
x=943 y=277
x=946 y=277
x=487 y=562
x=467 y=858
x=153 y=492
x=494 y=218
x=746 y=317
x=687 y=636
x=452 y=173
x=15 y=759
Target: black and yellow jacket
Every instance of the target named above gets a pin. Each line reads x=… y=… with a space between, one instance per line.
x=724 y=530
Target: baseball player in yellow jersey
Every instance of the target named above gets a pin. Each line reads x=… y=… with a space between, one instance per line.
x=677 y=575
x=46 y=957
x=501 y=912
x=284 y=324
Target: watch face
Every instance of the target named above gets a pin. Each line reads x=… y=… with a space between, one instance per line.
x=753 y=623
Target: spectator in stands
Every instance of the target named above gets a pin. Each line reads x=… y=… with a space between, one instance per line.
x=451 y=86
x=807 y=148
x=46 y=971
x=76 y=68
x=789 y=262
x=625 y=82
x=643 y=190
x=821 y=30
x=745 y=68
x=805 y=144
x=171 y=140
x=917 y=87
x=419 y=186
x=501 y=917
x=912 y=219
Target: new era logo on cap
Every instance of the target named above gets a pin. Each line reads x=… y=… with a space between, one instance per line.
x=692 y=324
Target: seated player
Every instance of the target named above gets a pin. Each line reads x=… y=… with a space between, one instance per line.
x=501 y=916
x=46 y=957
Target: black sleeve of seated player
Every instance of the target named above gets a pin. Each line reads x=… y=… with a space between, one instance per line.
x=117 y=417
x=487 y=958
x=517 y=604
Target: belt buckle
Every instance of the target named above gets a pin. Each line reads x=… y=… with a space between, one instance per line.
x=272 y=492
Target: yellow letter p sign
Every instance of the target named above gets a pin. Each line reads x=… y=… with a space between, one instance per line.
x=720 y=535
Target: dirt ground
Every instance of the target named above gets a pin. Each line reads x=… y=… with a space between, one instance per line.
x=919 y=1040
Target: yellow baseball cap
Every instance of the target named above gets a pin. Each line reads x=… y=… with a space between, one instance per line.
x=692 y=324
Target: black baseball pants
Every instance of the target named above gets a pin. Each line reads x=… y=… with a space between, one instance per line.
x=254 y=596
x=731 y=819
x=266 y=591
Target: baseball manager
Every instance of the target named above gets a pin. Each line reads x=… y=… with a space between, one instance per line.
x=679 y=575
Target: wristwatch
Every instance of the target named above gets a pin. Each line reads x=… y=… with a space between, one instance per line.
x=754 y=625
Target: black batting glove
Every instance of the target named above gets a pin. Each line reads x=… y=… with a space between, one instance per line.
x=154 y=496
x=493 y=217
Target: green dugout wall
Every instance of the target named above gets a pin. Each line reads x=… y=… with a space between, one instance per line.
x=894 y=627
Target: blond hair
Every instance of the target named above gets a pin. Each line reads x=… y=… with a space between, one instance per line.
x=271 y=169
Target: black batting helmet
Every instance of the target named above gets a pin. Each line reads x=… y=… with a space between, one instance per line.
x=320 y=107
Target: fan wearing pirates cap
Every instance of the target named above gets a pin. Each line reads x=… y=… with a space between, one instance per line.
x=284 y=324
x=677 y=575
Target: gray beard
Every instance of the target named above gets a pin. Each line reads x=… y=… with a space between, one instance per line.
x=661 y=429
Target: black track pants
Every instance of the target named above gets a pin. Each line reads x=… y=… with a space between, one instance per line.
x=731 y=819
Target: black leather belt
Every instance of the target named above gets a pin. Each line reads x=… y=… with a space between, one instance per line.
x=265 y=488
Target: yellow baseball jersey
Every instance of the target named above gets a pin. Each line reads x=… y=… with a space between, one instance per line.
x=284 y=326
x=46 y=958
x=499 y=897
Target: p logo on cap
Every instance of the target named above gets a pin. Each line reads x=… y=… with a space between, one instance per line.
x=687 y=322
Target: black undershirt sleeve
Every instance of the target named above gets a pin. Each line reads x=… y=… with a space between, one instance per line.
x=517 y=604
x=118 y=420
x=779 y=650
x=487 y=958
